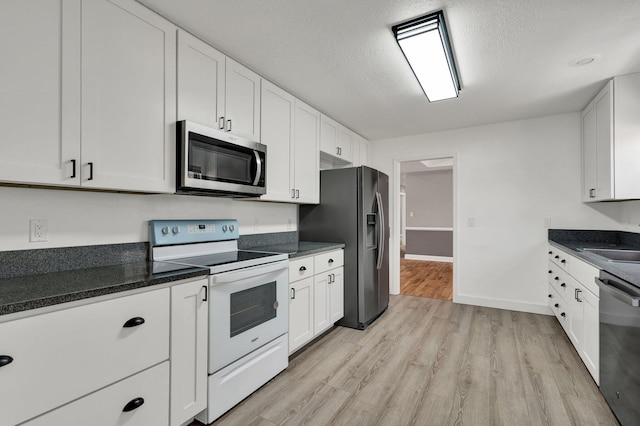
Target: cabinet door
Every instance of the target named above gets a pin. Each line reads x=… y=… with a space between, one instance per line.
x=364 y=152
x=149 y=389
x=321 y=303
x=189 y=325
x=328 y=135
x=590 y=352
x=242 y=101
x=40 y=91
x=306 y=153
x=201 y=72
x=589 y=181
x=576 y=317
x=345 y=144
x=300 y=313
x=336 y=290
x=603 y=105
x=277 y=133
x=128 y=97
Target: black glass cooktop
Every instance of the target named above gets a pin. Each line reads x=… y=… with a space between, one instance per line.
x=218 y=259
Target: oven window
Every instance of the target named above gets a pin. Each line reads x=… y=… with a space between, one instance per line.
x=252 y=307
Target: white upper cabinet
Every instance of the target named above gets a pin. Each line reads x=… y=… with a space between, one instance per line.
x=277 y=135
x=40 y=91
x=201 y=72
x=336 y=142
x=242 y=101
x=306 y=153
x=291 y=131
x=611 y=142
x=128 y=97
x=88 y=95
x=216 y=91
x=360 y=151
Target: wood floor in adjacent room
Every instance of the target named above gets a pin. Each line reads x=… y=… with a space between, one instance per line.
x=426 y=279
x=432 y=362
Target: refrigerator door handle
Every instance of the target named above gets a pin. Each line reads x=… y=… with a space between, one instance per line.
x=381 y=226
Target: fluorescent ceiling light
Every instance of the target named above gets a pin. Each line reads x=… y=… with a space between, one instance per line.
x=438 y=162
x=425 y=44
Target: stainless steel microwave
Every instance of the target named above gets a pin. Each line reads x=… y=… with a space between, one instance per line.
x=214 y=162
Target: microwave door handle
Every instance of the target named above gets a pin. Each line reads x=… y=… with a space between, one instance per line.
x=258 y=168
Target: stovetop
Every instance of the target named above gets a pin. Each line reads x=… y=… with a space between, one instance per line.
x=206 y=243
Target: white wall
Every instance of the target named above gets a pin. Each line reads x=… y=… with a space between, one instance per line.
x=79 y=218
x=508 y=177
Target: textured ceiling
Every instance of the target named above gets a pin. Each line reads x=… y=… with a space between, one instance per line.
x=340 y=56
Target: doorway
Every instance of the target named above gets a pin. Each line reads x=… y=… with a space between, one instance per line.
x=426 y=233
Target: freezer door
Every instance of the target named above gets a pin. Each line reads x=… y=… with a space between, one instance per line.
x=383 y=271
x=368 y=297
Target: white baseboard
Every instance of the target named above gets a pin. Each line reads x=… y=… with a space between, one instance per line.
x=510 y=305
x=429 y=258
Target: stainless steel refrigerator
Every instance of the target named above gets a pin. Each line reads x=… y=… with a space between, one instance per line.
x=354 y=210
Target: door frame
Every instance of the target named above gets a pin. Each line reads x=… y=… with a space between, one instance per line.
x=394 y=243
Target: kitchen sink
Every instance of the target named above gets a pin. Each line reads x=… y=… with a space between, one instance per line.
x=615 y=255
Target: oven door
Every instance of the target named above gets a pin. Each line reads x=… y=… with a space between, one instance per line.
x=215 y=161
x=247 y=309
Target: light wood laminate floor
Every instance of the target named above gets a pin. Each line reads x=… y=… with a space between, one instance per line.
x=432 y=362
x=426 y=279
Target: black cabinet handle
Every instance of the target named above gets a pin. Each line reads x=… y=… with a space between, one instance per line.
x=557 y=278
x=563 y=314
x=133 y=404
x=550 y=252
x=90 y=171
x=73 y=170
x=206 y=293
x=551 y=295
x=134 y=322
x=563 y=285
x=5 y=360
x=303 y=268
x=556 y=305
x=557 y=257
x=330 y=261
x=550 y=271
x=563 y=261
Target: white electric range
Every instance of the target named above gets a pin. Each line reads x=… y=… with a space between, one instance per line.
x=248 y=305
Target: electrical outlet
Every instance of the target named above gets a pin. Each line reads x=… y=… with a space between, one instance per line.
x=39 y=229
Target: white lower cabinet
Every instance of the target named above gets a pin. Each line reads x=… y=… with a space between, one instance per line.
x=83 y=365
x=574 y=299
x=64 y=355
x=189 y=345
x=141 y=400
x=316 y=299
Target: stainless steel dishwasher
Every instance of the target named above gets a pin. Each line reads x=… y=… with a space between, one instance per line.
x=620 y=346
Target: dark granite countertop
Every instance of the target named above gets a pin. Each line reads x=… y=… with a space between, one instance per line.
x=573 y=240
x=300 y=248
x=40 y=290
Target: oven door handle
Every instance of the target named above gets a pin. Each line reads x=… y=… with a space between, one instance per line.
x=241 y=274
x=616 y=290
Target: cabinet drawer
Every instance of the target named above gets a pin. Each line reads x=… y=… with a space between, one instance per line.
x=63 y=355
x=325 y=261
x=559 y=307
x=558 y=280
x=585 y=274
x=105 y=408
x=559 y=257
x=300 y=269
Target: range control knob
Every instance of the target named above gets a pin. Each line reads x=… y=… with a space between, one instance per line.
x=232 y=228
x=176 y=229
x=224 y=228
x=165 y=230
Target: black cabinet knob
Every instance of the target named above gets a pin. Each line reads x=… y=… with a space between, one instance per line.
x=557 y=257
x=133 y=404
x=550 y=271
x=556 y=305
x=563 y=285
x=551 y=295
x=557 y=278
x=563 y=314
x=330 y=260
x=563 y=261
x=303 y=268
x=134 y=322
x=5 y=360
